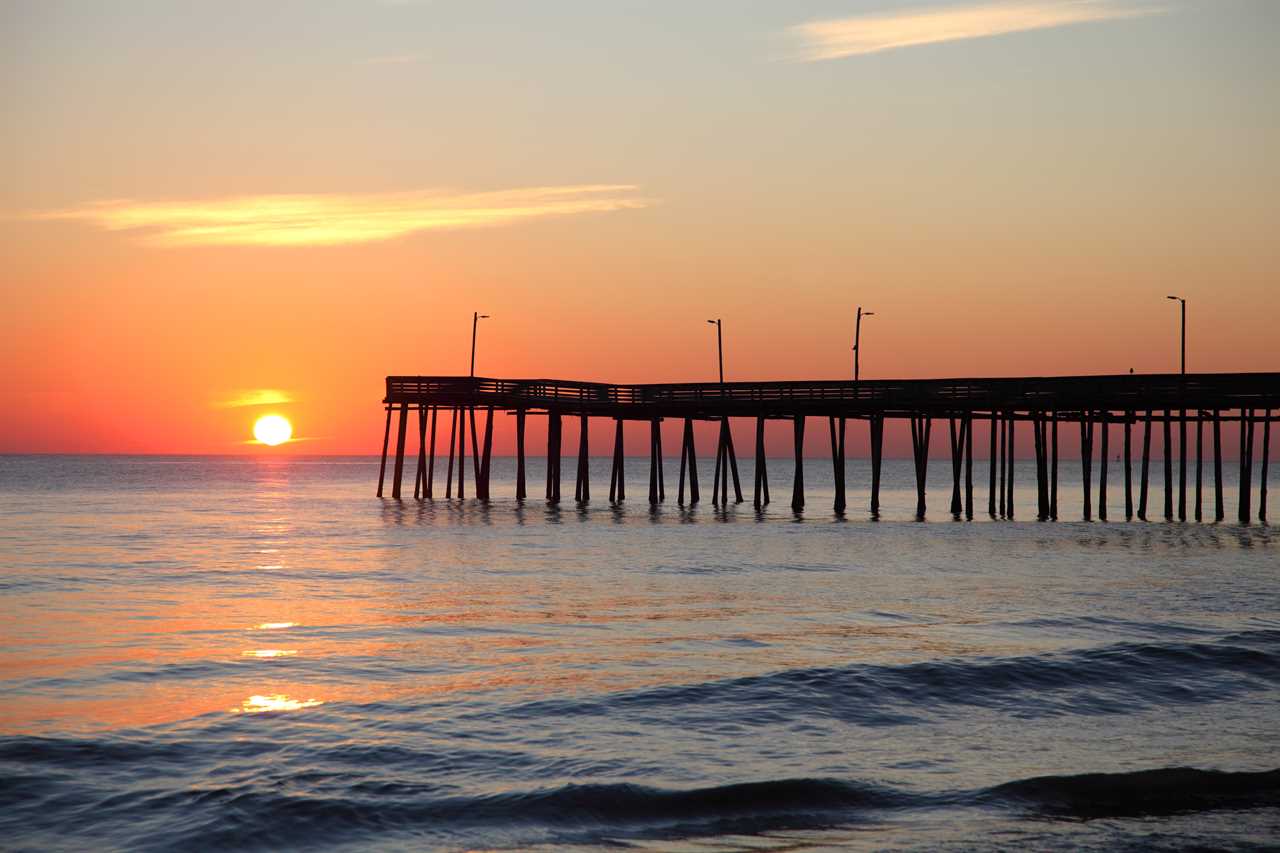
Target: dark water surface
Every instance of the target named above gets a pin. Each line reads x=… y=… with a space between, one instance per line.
x=234 y=653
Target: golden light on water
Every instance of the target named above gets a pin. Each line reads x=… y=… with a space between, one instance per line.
x=272 y=430
x=269 y=653
x=274 y=702
x=273 y=626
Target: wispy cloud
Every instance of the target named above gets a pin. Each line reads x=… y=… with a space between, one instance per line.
x=391 y=59
x=863 y=34
x=310 y=220
x=254 y=397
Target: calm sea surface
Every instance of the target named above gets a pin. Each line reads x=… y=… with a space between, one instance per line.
x=202 y=653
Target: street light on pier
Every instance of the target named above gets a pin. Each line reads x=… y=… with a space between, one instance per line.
x=857 y=338
x=1184 y=331
x=476 y=317
x=719 y=347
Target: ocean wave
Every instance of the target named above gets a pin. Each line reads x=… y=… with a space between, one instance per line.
x=247 y=815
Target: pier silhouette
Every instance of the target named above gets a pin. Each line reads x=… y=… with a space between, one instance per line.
x=1011 y=406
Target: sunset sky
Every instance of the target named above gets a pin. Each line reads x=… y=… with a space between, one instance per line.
x=215 y=210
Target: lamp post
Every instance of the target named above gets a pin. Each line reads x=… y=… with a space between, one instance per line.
x=476 y=317
x=719 y=347
x=1183 y=302
x=857 y=338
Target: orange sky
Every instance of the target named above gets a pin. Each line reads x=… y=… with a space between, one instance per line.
x=305 y=200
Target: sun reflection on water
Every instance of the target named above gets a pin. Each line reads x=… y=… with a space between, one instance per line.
x=274 y=626
x=274 y=702
x=268 y=653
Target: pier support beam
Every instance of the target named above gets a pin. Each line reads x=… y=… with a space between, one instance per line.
x=877 y=455
x=657 y=493
x=1168 y=466
x=482 y=484
x=956 y=433
x=453 y=434
x=991 y=495
x=1040 y=434
x=386 y=440
x=1182 y=465
x=1004 y=461
x=617 y=476
x=429 y=492
x=1219 y=512
x=582 y=484
x=1199 y=509
x=475 y=449
x=797 y=485
x=1053 y=467
x=420 y=475
x=1013 y=423
x=1246 y=464
x=398 y=475
x=761 y=496
x=837 y=460
x=1128 y=466
x=921 y=428
x=1086 y=462
x=1266 y=463
x=521 y=493
x=689 y=457
x=1144 y=481
x=554 y=429
x=968 y=467
x=462 y=451
x=1102 y=466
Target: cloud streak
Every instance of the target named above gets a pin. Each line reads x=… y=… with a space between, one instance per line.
x=254 y=397
x=866 y=34
x=336 y=219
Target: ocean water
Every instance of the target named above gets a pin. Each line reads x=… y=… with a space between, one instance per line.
x=221 y=653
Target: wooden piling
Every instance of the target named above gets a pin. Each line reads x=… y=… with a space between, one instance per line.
x=420 y=475
x=1086 y=464
x=1004 y=460
x=482 y=485
x=957 y=461
x=1266 y=464
x=555 y=423
x=1168 y=466
x=1128 y=466
x=462 y=452
x=1102 y=466
x=386 y=440
x=401 y=429
x=921 y=427
x=1199 y=464
x=1039 y=431
x=1143 y=483
x=617 y=477
x=733 y=462
x=760 y=475
x=688 y=457
x=453 y=429
x=715 y=477
x=655 y=461
x=837 y=461
x=582 y=486
x=968 y=467
x=797 y=485
x=1013 y=423
x=1218 y=511
x=1053 y=468
x=431 y=456
x=1182 y=465
x=475 y=450
x=991 y=495
x=520 y=469
x=1246 y=465
x=877 y=455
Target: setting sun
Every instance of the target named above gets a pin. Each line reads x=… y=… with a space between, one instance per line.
x=272 y=430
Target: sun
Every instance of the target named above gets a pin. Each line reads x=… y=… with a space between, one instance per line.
x=272 y=430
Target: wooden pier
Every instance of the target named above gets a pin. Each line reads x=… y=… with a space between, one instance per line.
x=1010 y=406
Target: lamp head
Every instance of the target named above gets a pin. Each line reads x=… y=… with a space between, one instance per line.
x=1174 y=298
